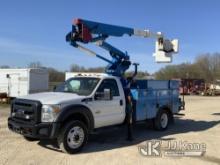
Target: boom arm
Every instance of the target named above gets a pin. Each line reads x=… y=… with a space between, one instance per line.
x=84 y=31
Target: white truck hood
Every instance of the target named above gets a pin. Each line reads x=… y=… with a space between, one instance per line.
x=53 y=97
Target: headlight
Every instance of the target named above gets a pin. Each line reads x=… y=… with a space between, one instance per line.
x=49 y=112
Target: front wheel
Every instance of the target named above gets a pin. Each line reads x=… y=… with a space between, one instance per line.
x=73 y=137
x=162 y=120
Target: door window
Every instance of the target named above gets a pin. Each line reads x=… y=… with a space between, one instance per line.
x=109 y=84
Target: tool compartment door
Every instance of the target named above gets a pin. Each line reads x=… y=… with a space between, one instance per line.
x=174 y=87
x=146 y=104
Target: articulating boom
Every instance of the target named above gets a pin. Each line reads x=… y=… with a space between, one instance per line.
x=85 y=32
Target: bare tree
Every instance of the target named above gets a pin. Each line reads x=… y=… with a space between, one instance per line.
x=77 y=68
x=55 y=75
x=35 y=64
x=206 y=66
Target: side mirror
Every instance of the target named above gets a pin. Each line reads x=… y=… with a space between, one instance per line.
x=107 y=94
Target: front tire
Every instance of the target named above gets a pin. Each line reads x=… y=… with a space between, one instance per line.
x=73 y=137
x=162 y=120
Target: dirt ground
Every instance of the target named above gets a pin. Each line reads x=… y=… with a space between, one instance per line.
x=199 y=123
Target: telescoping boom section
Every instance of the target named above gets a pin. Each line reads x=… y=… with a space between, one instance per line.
x=84 y=32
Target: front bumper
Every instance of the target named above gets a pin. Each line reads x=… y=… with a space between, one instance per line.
x=39 y=131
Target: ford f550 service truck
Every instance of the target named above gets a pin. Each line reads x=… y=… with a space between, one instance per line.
x=89 y=101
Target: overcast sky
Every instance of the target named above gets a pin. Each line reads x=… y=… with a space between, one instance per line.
x=35 y=30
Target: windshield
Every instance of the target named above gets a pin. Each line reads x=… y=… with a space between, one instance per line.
x=79 y=85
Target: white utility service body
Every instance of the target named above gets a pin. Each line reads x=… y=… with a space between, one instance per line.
x=21 y=82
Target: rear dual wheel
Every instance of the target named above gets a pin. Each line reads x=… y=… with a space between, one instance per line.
x=162 y=120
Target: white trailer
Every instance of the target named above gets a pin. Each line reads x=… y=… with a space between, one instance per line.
x=21 y=82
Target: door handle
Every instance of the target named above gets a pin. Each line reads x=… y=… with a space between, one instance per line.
x=121 y=102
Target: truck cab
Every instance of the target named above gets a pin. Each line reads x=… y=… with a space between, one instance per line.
x=102 y=94
x=93 y=100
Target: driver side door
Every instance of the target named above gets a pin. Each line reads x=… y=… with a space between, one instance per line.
x=108 y=112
